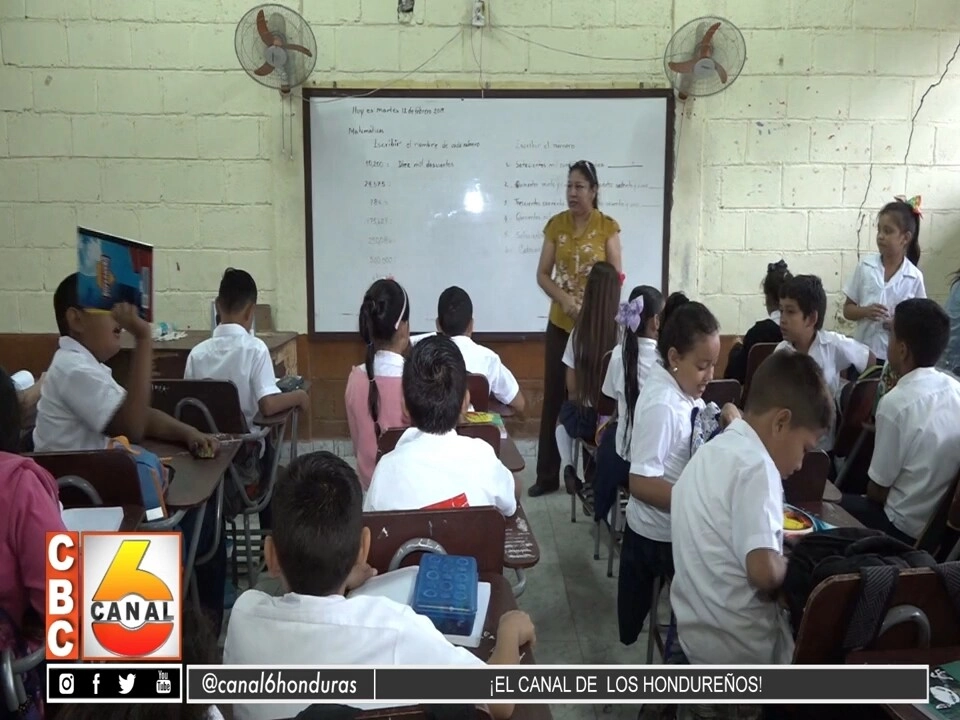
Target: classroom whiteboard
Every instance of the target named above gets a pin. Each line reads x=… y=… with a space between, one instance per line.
x=436 y=190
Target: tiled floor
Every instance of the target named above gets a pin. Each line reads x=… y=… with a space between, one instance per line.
x=568 y=595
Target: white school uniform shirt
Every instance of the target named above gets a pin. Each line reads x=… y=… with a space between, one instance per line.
x=917 y=448
x=614 y=385
x=834 y=353
x=427 y=469
x=729 y=502
x=659 y=446
x=386 y=363
x=234 y=354
x=332 y=630
x=481 y=360
x=78 y=400
x=868 y=287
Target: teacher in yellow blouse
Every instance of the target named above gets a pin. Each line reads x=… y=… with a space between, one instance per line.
x=572 y=242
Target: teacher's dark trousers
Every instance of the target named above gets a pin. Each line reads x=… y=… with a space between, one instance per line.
x=554 y=393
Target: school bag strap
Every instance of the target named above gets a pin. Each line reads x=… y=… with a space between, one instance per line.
x=877 y=585
x=950 y=577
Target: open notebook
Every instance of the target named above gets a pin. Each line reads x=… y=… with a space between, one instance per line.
x=398 y=586
x=89 y=519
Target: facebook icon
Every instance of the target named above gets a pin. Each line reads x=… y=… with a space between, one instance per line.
x=96 y=684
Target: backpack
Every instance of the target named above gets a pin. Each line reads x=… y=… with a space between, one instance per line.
x=876 y=557
x=706 y=426
x=154 y=476
x=32 y=707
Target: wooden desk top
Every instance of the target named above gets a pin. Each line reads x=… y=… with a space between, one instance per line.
x=274 y=340
x=831 y=513
x=133 y=515
x=831 y=493
x=520 y=548
x=194 y=480
x=510 y=456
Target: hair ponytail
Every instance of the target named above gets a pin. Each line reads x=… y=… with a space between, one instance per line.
x=652 y=306
x=384 y=307
x=595 y=333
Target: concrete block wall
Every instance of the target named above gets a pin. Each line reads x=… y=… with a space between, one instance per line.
x=134 y=117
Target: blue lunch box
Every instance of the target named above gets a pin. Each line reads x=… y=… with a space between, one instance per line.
x=446 y=592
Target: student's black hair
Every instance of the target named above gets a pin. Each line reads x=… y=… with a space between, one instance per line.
x=237 y=290
x=434 y=384
x=589 y=171
x=777 y=275
x=10 y=414
x=321 y=503
x=652 y=306
x=454 y=311
x=807 y=291
x=907 y=219
x=595 y=333
x=684 y=322
x=924 y=327
x=199 y=648
x=385 y=305
x=67 y=296
x=792 y=381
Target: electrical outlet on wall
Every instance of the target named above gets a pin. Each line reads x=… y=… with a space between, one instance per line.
x=479 y=15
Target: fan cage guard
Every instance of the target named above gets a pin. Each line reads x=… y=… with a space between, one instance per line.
x=295 y=30
x=729 y=50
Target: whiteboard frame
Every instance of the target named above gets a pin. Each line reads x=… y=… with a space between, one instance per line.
x=587 y=94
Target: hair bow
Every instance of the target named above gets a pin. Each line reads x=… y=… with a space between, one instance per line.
x=630 y=313
x=779 y=265
x=913 y=202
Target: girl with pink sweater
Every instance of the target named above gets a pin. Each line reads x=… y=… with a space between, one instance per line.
x=374 y=396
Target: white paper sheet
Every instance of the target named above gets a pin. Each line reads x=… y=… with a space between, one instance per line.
x=88 y=519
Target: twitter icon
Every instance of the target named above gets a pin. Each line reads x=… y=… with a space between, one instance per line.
x=126 y=683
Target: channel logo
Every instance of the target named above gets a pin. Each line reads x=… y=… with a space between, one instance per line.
x=117 y=598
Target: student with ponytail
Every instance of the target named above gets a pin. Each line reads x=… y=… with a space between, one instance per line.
x=661 y=444
x=763 y=331
x=629 y=365
x=374 y=396
x=884 y=279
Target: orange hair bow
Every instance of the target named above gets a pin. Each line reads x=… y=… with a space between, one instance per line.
x=913 y=202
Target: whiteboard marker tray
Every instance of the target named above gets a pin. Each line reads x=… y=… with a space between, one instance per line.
x=398 y=586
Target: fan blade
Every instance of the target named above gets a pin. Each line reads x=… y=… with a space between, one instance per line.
x=684 y=67
x=721 y=72
x=298 y=48
x=262 y=28
x=705 y=44
x=264 y=69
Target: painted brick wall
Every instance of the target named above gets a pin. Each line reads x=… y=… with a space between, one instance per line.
x=131 y=115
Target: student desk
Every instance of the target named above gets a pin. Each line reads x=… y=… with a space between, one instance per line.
x=831 y=513
x=520 y=548
x=831 y=494
x=193 y=485
x=170 y=357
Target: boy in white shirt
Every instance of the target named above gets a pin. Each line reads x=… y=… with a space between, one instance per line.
x=319 y=552
x=81 y=406
x=455 y=320
x=727 y=512
x=803 y=306
x=917 y=446
x=432 y=466
x=234 y=354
